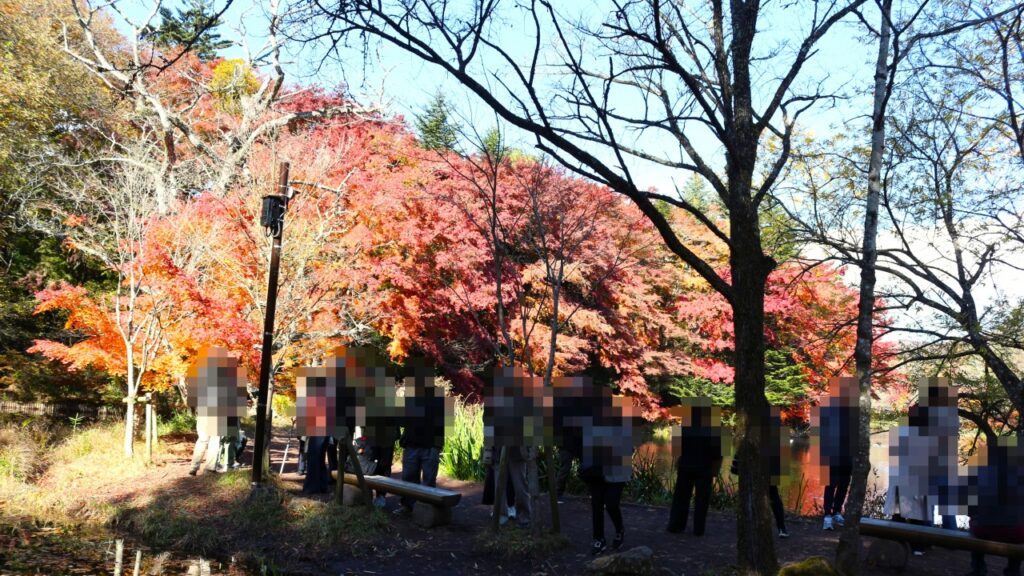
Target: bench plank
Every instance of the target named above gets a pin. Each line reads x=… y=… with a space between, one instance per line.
x=428 y=494
x=956 y=539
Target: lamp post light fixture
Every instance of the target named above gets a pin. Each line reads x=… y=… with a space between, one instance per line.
x=272 y=220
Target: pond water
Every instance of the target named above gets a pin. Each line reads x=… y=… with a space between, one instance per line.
x=802 y=487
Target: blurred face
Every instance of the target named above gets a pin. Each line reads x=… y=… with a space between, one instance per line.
x=844 y=391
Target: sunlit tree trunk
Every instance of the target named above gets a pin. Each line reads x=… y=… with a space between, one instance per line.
x=848 y=551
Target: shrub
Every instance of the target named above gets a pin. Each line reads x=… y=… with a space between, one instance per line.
x=724 y=493
x=181 y=422
x=650 y=483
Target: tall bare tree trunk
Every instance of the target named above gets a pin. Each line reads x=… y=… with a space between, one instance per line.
x=755 y=540
x=129 y=415
x=848 y=551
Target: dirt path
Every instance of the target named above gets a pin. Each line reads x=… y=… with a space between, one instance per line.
x=407 y=549
x=450 y=550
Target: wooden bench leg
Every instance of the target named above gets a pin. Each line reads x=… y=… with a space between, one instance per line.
x=353 y=496
x=428 y=516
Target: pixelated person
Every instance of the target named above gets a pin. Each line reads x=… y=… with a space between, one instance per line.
x=777 y=467
x=380 y=425
x=606 y=462
x=507 y=412
x=568 y=402
x=490 y=453
x=315 y=413
x=837 y=422
x=302 y=456
x=996 y=502
x=425 y=418
x=228 y=457
x=923 y=458
x=699 y=441
x=489 y=457
x=215 y=385
x=233 y=441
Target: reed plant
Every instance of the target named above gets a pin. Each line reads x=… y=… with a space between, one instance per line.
x=463 y=443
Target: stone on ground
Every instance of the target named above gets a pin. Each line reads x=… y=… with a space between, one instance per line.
x=427 y=516
x=814 y=566
x=888 y=554
x=352 y=496
x=637 y=561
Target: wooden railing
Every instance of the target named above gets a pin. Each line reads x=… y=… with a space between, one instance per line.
x=68 y=409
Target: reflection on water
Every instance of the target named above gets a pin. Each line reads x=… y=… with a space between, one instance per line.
x=802 y=488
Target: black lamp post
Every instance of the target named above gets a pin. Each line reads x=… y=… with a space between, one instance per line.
x=272 y=219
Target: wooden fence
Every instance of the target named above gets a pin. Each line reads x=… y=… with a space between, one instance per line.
x=66 y=409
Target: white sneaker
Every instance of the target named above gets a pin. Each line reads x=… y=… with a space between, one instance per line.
x=783 y=533
x=838 y=520
x=511 y=511
x=827 y=524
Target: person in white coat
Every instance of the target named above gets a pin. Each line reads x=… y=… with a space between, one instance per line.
x=922 y=456
x=216 y=386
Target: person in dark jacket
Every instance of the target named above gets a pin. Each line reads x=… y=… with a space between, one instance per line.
x=837 y=421
x=699 y=442
x=423 y=434
x=567 y=403
x=383 y=418
x=998 y=504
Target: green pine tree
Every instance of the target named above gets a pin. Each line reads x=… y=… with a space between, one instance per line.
x=437 y=131
x=197 y=23
x=696 y=192
x=785 y=382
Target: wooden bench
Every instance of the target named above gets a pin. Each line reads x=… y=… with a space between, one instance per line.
x=904 y=534
x=437 y=503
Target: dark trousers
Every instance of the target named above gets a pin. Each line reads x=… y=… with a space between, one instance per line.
x=775 y=501
x=302 y=456
x=1008 y=535
x=385 y=456
x=979 y=568
x=565 y=458
x=318 y=475
x=688 y=482
x=419 y=466
x=835 y=495
x=605 y=496
x=332 y=453
x=491 y=484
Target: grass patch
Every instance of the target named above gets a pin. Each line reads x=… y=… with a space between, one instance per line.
x=57 y=479
x=327 y=525
x=49 y=470
x=221 y=514
x=515 y=542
